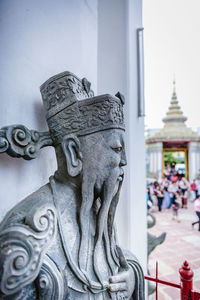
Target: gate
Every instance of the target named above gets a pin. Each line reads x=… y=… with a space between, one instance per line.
x=185 y=285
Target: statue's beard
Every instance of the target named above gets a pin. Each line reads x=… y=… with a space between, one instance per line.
x=108 y=199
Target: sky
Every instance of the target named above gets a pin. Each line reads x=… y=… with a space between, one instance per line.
x=171 y=48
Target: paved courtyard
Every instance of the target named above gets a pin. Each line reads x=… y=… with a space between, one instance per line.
x=181 y=243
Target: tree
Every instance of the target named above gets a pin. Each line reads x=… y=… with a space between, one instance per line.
x=169 y=158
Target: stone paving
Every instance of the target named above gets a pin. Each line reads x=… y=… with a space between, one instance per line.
x=181 y=243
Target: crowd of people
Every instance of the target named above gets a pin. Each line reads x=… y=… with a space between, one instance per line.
x=174 y=192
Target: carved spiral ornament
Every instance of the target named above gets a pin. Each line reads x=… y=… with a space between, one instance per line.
x=3 y=144
x=19 y=141
x=40 y=220
x=22 y=248
x=50 y=283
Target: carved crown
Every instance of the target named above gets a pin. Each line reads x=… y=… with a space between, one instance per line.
x=62 y=90
x=71 y=107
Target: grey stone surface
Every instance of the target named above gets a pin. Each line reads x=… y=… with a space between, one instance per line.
x=153 y=242
x=60 y=242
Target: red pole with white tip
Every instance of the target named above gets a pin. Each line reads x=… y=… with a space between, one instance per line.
x=186 y=276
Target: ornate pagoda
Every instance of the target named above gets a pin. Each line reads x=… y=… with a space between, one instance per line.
x=175 y=135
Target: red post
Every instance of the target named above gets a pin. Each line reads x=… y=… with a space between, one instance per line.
x=156 y=280
x=186 y=276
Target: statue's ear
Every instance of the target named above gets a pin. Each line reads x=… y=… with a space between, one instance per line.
x=73 y=155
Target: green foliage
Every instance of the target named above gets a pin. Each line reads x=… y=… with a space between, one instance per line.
x=169 y=158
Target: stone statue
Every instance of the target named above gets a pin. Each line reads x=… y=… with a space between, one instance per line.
x=153 y=242
x=60 y=242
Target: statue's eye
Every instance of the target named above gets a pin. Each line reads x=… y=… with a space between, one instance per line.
x=117 y=149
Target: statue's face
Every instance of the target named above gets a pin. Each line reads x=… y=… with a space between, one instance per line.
x=104 y=157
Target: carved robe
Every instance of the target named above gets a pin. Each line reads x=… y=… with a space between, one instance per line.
x=38 y=254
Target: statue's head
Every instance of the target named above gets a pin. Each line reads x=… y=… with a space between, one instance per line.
x=87 y=131
x=88 y=134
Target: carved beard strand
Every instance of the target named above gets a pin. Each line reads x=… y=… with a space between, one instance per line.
x=109 y=228
x=104 y=226
x=84 y=218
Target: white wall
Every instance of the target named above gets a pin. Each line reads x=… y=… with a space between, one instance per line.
x=39 y=39
x=117 y=71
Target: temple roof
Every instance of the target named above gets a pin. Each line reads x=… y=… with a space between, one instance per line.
x=174 y=124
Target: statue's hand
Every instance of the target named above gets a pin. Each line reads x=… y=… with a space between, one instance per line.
x=123 y=284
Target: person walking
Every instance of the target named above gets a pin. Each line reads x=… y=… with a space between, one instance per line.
x=183 y=185
x=173 y=188
x=160 y=197
x=175 y=206
x=184 y=199
x=166 y=200
x=193 y=188
x=197 y=210
x=197 y=182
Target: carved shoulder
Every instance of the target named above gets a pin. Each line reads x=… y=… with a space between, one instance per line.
x=23 y=246
x=19 y=212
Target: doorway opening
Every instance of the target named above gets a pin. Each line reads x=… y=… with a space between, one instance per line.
x=175 y=162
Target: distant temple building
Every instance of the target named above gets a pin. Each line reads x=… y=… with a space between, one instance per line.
x=175 y=136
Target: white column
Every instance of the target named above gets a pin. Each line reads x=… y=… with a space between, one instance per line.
x=195 y=162
x=117 y=71
x=154 y=161
x=151 y=161
x=156 y=169
x=198 y=158
x=160 y=163
x=192 y=160
x=158 y=160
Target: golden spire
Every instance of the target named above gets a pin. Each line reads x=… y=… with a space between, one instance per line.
x=174 y=114
x=174 y=123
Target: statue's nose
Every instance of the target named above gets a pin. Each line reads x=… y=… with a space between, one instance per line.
x=123 y=161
